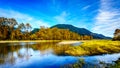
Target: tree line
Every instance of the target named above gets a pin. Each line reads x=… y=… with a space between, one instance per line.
x=11 y=30
x=58 y=34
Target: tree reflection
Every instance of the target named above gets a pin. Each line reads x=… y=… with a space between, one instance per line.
x=57 y=49
x=7 y=53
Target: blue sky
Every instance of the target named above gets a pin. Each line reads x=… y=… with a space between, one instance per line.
x=98 y=16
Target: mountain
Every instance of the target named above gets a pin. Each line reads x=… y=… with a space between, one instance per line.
x=81 y=31
x=35 y=30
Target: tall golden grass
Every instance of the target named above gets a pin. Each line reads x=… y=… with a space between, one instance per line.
x=94 y=47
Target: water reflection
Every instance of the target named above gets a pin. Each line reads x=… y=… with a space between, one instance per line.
x=43 y=55
x=29 y=55
x=7 y=53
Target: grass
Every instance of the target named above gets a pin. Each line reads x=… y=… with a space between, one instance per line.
x=94 y=47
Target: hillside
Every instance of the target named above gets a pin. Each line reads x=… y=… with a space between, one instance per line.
x=81 y=31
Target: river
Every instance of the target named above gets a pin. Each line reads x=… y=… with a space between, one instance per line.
x=44 y=55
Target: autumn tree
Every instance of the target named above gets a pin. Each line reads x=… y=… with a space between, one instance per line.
x=6 y=27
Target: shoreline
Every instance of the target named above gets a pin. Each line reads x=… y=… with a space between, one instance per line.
x=15 y=41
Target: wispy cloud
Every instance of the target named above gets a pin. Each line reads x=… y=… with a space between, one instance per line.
x=108 y=18
x=23 y=18
x=86 y=7
x=62 y=18
x=67 y=18
x=14 y=14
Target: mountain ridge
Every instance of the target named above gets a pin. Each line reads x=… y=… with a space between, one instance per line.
x=81 y=31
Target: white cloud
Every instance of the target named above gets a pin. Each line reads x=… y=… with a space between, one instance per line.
x=23 y=18
x=62 y=18
x=108 y=19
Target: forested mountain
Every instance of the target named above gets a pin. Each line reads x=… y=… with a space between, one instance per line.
x=80 y=31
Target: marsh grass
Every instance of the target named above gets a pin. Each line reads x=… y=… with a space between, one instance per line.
x=94 y=47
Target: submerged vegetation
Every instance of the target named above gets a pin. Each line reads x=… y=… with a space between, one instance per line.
x=80 y=63
x=117 y=64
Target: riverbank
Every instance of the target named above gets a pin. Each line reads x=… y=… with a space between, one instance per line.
x=94 y=47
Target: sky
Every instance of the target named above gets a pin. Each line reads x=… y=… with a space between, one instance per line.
x=98 y=16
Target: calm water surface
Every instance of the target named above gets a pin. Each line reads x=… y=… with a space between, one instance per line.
x=44 y=55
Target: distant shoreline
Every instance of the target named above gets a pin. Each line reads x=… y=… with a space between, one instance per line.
x=13 y=41
x=60 y=41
